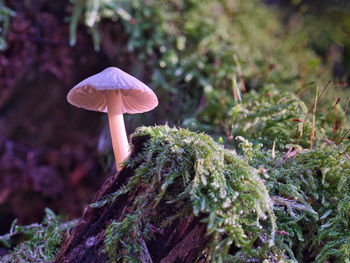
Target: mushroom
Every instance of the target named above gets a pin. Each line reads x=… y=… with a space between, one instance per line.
x=115 y=92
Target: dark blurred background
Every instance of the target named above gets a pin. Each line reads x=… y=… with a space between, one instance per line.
x=51 y=153
x=55 y=155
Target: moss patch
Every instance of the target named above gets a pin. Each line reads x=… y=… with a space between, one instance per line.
x=290 y=205
x=310 y=190
x=184 y=172
x=188 y=172
x=39 y=243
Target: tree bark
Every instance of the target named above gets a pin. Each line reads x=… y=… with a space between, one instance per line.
x=182 y=241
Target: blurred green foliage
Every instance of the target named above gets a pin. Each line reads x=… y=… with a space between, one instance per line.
x=5 y=14
x=206 y=52
x=325 y=25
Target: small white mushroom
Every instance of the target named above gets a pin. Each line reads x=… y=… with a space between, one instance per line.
x=115 y=92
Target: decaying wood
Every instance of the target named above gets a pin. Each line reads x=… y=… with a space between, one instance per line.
x=182 y=241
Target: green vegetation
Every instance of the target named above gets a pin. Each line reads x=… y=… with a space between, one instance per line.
x=309 y=190
x=193 y=175
x=196 y=48
x=294 y=201
x=38 y=243
x=5 y=14
x=276 y=186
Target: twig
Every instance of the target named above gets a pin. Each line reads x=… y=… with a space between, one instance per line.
x=312 y=108
x=341 y=123
x=240 y=74
x=313 y=120
x=343 y=137
x=329 y=113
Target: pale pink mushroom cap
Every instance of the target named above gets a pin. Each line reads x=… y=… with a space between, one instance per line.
x=91 y=93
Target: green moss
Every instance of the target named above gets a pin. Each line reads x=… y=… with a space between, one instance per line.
x=309 y=191
x=39 y=242
x=311 y=201
x=289 y=205
x=271 y=117
x=181 y=172
x=205 y=50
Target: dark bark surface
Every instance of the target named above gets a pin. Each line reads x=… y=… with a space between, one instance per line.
x=180 y=242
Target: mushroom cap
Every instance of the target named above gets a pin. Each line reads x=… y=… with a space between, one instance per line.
x=91 y=93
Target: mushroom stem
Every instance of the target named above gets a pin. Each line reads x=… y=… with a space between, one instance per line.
x=117 y=128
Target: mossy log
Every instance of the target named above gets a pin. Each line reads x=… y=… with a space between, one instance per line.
x=179 y=198
x=180 y=242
